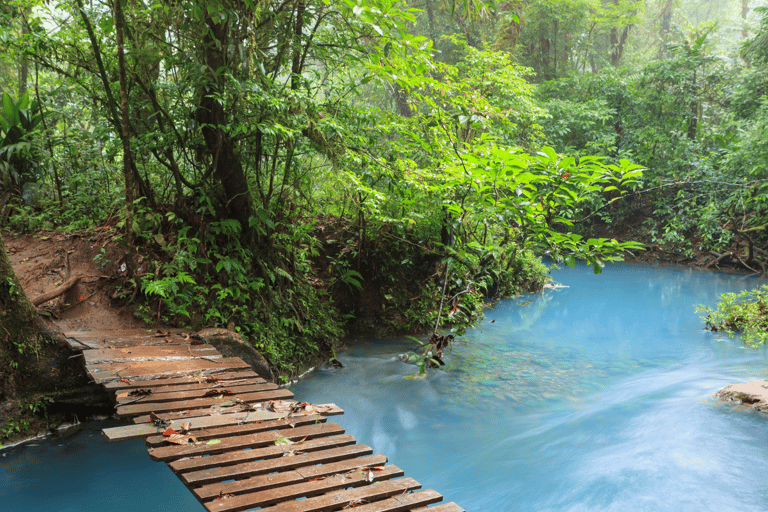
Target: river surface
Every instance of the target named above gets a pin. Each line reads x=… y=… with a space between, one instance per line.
x=593 y=397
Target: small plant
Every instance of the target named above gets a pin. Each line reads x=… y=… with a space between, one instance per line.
x=745 y=312
x=101 y=258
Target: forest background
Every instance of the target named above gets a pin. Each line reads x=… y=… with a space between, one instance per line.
x=296 y=169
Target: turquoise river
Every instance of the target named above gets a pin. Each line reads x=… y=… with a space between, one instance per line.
x=597 y=396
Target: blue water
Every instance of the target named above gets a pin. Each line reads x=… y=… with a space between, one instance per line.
x=595 y=397
x=79 y=471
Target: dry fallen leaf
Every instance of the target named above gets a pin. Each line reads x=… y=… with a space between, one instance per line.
x=181 y=439
x=281 y=405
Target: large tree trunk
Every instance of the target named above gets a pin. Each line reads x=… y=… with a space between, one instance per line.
x=227 y=167
x=23 y=335
x=124 y=123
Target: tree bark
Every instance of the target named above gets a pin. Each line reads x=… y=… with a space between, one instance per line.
x=124 y=122
x=22 y=332
x=210 y=115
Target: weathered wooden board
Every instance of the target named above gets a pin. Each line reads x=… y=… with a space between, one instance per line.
x=188 y=380
x=175 y=396
x=445 y=507
x=149 y=353
x=76 y=344
x=167 y=453
x=111 y=338
x=239 y=430
x=301 y=490
x=340 y=499
x=405 y=502
x=102 y=373
x=262 y=467
x=201 y=383
x=127 y=432
x=200 y=403
x=269 y=481
x=270 y=452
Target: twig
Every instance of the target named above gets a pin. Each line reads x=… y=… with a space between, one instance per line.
x=130 y=402
x=442 y=297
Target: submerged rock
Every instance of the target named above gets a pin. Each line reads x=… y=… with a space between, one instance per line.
x=232 y=344
x=753 y=394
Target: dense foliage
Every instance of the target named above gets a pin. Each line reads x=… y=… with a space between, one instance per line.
x=278 y=166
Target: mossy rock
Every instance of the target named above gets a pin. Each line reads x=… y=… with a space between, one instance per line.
x=232 y=344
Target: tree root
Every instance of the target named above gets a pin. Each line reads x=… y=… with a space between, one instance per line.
x=41 y=299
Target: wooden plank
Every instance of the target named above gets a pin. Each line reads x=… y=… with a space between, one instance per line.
x=341 y=499
x=201 y=403
x=175 y=396
x=123 y=338
x=127 y=432
x=201 y=383
x=404 y=502
x=262 y=467
x=150 y=353
x=75 y=344
x=102 y=373
x=269 y=481
x=300 y=490
x=445 y=507
x=239 y=430
x=167 y=453
x=189 y=380
x=236 y=457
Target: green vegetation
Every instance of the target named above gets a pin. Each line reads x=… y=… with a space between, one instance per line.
x=294 y=169
x=745 y=313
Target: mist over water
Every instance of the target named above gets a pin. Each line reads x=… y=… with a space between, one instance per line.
x=594 y=397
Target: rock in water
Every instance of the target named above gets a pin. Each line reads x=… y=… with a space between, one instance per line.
x=232 y=344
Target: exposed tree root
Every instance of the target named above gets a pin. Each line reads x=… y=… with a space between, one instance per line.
x=41 y=299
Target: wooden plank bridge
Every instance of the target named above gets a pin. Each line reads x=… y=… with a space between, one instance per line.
x=237 y=441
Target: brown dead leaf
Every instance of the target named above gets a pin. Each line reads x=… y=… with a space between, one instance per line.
x=281 y=406
x=140 y=392
x=181 y=439
x=170 y=432
x=218 y=392
x=223 y=496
